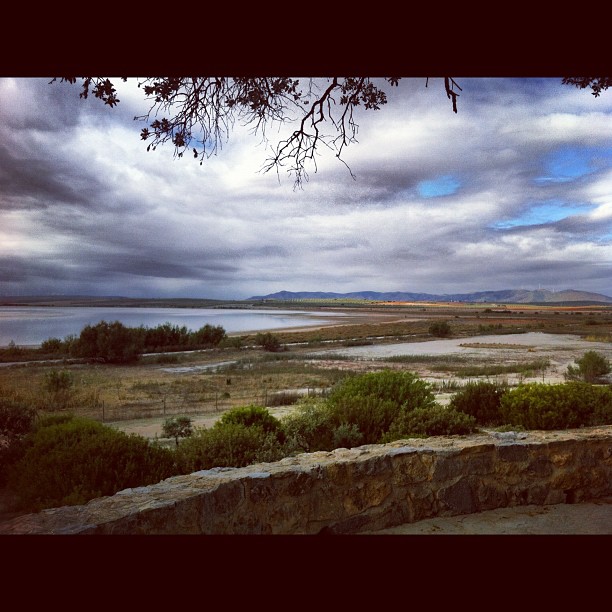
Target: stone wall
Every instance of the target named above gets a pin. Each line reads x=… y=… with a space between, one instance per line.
x=351 y=490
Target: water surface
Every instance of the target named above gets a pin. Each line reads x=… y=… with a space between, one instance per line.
x=31 y=325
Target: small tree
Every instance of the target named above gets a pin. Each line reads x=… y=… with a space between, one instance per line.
x=57 y=381
x=268 y=341
x=591 y=367
x=59 y=386
x=180 y=427
x=440 y=328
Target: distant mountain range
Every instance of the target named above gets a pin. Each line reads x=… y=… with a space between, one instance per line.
x=510 y=296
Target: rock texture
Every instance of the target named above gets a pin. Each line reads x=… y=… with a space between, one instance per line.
x=355 y=490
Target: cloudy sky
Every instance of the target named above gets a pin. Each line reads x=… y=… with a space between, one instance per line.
x=512 y=192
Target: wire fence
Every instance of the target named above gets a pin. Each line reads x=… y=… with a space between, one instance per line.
x=200 y=404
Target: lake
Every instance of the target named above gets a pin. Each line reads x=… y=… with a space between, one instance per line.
x=32 y=325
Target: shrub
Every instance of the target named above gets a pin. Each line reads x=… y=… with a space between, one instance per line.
x=227 y=445
x=591 y=367
x=432 y=421
x=254 y=416
x=371 y=416
x=441 y=329
x=347 y=435
x=231 y=342
x=71 y=462
x=309 y=428
x=563 y=406
x=481 y=400
x=53 y=346
x=58 y=390
x=16 y=418
x=16 y=421
x=373 y=401
x=57 y=381
x=207 y=336
x=268 y=341
x=286 y=398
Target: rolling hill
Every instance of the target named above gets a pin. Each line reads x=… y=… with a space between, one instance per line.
x=511 y=296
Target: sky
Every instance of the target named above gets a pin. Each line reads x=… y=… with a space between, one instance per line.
x=514 y=191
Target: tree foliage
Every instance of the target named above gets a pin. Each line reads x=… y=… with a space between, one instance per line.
x=591 y=367
x=596 y=84
x=196 y=115
x=112 y=342
x=179 y=427
x=115 y=342
x=268 y=341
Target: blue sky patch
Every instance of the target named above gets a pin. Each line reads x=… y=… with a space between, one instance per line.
x=442 y=186
x=548 y=212
x=569 y=163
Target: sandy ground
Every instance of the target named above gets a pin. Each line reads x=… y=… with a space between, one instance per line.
x=589 y=518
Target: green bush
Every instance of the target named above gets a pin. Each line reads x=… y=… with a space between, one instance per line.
x=309 y=428
x=227 y=445
x=16 y=421
x=590 y=368
x=481 y=400
x=58 y=388
x=373 y=401
x=347 y=435
x=371 y=415
x=59 y=418
x=16 y=418
x=268 y=341
x=563 y=406
x=431 y=421
x=71 y=462
x=254 y=416
x=56 y=381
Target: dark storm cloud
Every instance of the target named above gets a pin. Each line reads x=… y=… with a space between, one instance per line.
x=38 y=183
x=139 y=265
x=14 y=268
